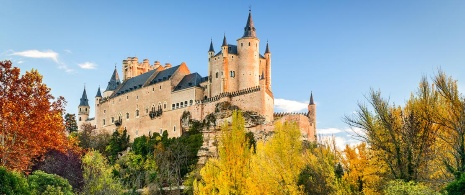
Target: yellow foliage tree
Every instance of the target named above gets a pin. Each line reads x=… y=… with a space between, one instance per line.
x=229 y=172
x=276 y=166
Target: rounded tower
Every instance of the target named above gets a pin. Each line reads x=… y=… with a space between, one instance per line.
x=248 y=51
x=211 y=54
x=98 y=98
x=84 y=109
x=312 y=118
x=268 y=67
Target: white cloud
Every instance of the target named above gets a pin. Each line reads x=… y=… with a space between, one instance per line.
x=329 y=131
x=88 y=65
x=340 y=142
x=38 y=54
x=283 y=105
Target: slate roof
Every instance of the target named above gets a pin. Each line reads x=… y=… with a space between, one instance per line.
x=99 y=94
x=267 y=50
x=232 y=50
x=114 y=81
x=211 y=46
x=190 y=80
x=311 y=99
x=134 y=83
x=224 y=41
x=164 y=74
x=249 y=29
x=84 y=100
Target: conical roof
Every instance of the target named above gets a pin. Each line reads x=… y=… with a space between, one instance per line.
x=311 y=99
x=114 y=81
x=225 y=43
x=211 y=47
x=99 y=94
x=84 y=100
x=249 y=29
x=267 y=50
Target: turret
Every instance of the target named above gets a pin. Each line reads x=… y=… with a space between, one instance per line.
x=268 y=67
x=84 y=109
x=312 y=114
x=112 y=84
x=211 y=51
x=225 y=77
x=248 y=50
x=98 y=98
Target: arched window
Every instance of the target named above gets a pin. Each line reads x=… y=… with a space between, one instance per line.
x=216 y=74
x=103 y=121
x=127 y=115
x=137 y=113
x=174 y=128
x=79 y=118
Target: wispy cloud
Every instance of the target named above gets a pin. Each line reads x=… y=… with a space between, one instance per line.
x=289 y=105
x=88 y=65
x=68 y=51
x=329 y=131
x=38 y=54
x=339 y=141
x=342 y=137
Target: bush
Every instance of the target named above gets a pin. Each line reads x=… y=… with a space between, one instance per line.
x=12 y=183
x=396 y=187
x=98 y=175
x=456 y=187
x=41 y=182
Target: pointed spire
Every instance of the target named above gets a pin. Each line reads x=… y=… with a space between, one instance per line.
x=211 y=47
x=114 y=81
x=249 y=29
x=267 y=50
x=311 y=99
x=99 y=94
x=84 y=100
x=225 y=43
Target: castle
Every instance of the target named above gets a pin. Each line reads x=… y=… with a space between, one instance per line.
x=153 y=97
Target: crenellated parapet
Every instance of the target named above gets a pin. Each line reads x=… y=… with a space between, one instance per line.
x=229 y=94
x=281 y=114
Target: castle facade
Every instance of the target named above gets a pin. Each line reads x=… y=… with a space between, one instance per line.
x=154 y=97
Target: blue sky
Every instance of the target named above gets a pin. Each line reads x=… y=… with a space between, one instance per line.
x=337 y=49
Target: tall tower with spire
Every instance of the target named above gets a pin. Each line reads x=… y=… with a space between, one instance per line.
x=248 y=50
x=312 y=113
x=84 y=109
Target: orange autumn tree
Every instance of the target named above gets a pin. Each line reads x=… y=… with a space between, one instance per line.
x=31 y=120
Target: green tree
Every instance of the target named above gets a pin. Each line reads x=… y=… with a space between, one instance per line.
x=12 y=182
x=98 y=177
x=396 y=187
x=118 y=143
x=70 y=123
x=41 y=182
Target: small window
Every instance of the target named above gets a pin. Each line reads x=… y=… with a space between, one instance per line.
x=164 y=105
x=191 y=102
x=112 y=119
x=185 y=103
x=127 y=115
x=137 y=97
x=242 y=44
x=173 y=106
x=80 y=110
x=137 y=113
x=216 y=74
x=79 y=118
x=146 y=110
x=177 y=105
x=86 y=109
x=127 y=97
x=104 y=111
x=174 y=128
x=181 y=104
x=103 y=121
x=160 y=86
x=249 y=43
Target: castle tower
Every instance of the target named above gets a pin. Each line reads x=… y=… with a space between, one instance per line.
x=268 y=67
x=224 y=76
x=98 y=98
x=211 y=54
x=312 y=115
x=248 y=50
x=112 y=84
x=84 y=109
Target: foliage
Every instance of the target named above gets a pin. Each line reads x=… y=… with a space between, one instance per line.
x=30 y=117
x=12 y=182
x=90 y=139
x=229 y=173
x=67 y=165
x=276 y=166
x=456 y=187
x=41 y=182
x=319 y=174
x=70 y=123
x=98 y=177
x=119 y=142
x=403 y=137
x=363 y=172
x=396 y=187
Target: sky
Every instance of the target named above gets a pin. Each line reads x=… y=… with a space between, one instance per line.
x=338 y=50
